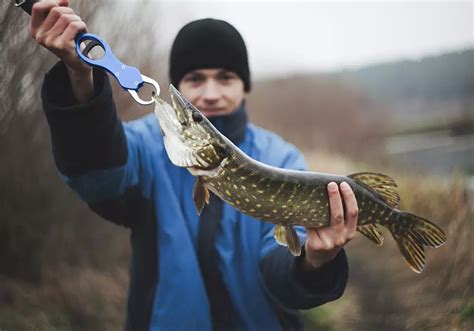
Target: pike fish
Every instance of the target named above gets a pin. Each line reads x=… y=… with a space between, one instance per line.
x=284 y=197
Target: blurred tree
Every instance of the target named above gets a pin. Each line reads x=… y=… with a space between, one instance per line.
x=57 y=257
x=31 y=195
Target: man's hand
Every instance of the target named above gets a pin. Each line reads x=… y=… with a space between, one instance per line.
x=323 y=244
x=54 y=25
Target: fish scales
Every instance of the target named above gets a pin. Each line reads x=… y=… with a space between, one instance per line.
x=296 y=199
x=285 y=197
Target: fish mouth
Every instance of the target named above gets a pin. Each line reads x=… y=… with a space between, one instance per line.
x=174 y=121
x=167 y=118
x=181 y=111
x=180 y=103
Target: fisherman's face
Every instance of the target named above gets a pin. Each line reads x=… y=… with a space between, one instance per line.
x=213 y=91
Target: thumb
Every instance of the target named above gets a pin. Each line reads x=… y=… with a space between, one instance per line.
x=312 y=235
x=63 y=3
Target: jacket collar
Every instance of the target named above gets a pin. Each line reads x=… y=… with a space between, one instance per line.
x=233 y=125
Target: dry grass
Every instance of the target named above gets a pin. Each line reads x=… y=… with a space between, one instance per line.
x=68 y=299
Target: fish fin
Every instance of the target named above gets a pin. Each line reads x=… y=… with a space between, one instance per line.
x=286 y=236
x=371 y=231
x=200 y=195
x=384 y=185
x=412 y=251
x=411 y=237
x=425 y=232
x=279 y=232
x=293 y=241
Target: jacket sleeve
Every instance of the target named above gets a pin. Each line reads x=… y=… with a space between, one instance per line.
x=288 y=283
x=293 y=287
x=94 y=155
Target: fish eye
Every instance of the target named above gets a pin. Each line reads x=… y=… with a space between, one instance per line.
x=197 y=117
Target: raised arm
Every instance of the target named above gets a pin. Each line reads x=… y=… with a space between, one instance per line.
x=96 y=157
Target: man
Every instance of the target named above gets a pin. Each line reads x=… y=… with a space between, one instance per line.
x=222 y=270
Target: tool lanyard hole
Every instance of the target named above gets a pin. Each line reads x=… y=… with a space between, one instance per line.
x=92 y=49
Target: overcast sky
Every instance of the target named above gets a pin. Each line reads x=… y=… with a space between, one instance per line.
x=288 y=36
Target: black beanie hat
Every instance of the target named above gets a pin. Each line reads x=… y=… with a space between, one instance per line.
x=209 y=43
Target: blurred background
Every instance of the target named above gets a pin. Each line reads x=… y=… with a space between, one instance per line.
x=357 y=86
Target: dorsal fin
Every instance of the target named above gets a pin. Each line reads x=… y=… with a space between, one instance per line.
x=381 y=184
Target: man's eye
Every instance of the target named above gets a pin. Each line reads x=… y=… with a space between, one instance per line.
x=227 y=77
x=193 y=79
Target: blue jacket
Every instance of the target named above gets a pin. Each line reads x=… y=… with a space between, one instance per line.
x=123 y=173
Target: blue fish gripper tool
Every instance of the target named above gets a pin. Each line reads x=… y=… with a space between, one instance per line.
x=129 y=78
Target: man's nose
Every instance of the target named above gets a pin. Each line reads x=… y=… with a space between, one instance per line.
x=211 y=91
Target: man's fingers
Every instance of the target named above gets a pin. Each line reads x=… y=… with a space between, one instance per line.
x=352 y=210
x=54 y=14
x=62 y=23
x=323 y=244
x=38 y=14
x=63 y=3
x=335 y=204
x=72 y=30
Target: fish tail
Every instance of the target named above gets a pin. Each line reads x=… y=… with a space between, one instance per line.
x=411 y=234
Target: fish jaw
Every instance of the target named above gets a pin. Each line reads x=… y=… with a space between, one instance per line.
x=180 y=103
x=190 y=139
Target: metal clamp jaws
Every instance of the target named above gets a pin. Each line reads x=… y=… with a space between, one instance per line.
x=128 y=77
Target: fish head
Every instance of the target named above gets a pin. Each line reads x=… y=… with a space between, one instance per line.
x=190 y=139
